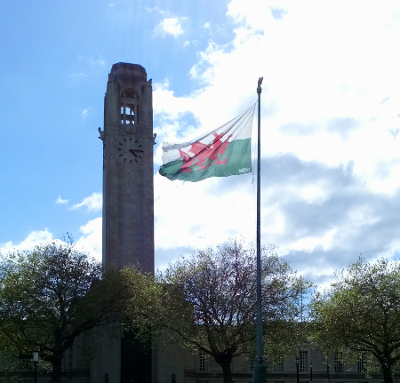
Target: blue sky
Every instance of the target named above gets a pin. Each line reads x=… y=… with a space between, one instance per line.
x=330 y=107
x=54 y=67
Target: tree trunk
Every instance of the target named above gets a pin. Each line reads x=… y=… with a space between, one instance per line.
x=386 y=370
x=225 y=362
x=56 y=371
x=387 y=374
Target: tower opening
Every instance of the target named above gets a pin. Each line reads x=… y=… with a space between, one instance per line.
x=130 y=107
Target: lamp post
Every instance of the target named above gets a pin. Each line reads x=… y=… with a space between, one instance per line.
x=311 y=372
x=35 y=360
x=297 y=370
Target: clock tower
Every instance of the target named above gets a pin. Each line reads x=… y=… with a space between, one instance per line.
x=128 y=202
x=128 y=208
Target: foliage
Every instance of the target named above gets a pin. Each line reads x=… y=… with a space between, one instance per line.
x=50 y=295
x=361 y=313
x=285 y=336
x=212 y=301
x=142 y=302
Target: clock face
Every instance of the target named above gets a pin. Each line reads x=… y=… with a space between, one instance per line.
x=130 y=150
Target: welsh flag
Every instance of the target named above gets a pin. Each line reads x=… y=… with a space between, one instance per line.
x=223 y=152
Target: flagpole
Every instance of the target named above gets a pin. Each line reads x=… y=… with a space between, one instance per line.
x=260 y=369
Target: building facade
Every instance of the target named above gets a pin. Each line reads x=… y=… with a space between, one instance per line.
x=176 y=365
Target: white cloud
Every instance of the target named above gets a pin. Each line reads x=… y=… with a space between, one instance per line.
x=322 y=106
x=92 y=203
x=78 y=75
x=90 y=240
x=170 y=26
x=171 y=107
x=207 y=25
x=315 y=79
x=310 y=243
x=59 y=200
x=85 y=112
x=182 y=220
x=156 y=9
x=33 y=239
x=97 y=62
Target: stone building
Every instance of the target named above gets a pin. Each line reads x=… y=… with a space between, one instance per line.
x=173 y=362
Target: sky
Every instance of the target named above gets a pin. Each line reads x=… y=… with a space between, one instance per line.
x=330 y=122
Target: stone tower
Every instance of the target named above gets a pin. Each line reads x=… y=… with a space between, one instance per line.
x=128 y=208
x=128 y=202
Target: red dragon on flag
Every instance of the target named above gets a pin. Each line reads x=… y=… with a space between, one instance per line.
x=205 y=155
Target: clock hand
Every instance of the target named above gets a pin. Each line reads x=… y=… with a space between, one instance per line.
x=134 y=151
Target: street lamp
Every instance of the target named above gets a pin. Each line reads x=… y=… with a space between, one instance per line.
x=35 y=360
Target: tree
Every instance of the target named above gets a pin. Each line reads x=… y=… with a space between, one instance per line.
x=211 y=303
x=361 y=313
x=49 y=296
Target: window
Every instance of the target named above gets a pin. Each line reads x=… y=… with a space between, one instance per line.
x=337 y=362
x=303 y=361
x=129 y=107
x=127 y=114
x=25 y=364
x=361 y=363
x=278 y=364
x=202 y=361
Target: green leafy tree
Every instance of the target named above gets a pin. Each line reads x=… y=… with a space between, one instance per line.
x=50 y=295
x=361 y=313
x=211 y=302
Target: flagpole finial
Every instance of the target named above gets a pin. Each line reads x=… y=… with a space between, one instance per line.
x=260 y=79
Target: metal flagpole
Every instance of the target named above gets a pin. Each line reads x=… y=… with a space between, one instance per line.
x=260 y=369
